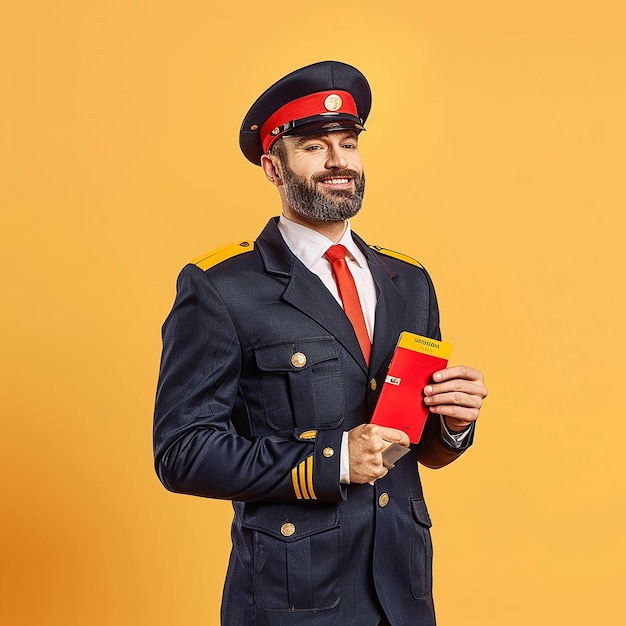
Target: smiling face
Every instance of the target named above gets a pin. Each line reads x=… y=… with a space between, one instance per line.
x=322 y=176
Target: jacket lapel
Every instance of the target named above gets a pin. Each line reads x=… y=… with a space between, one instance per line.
x=306 y=292
x=390 y=310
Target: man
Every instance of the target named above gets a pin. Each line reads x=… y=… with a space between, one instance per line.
x=267 y=384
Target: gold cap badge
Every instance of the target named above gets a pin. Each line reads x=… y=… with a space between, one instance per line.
x=333 y=102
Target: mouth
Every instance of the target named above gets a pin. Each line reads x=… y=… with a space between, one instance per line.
x=336 y=182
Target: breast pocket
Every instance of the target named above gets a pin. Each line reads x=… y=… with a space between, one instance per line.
x=301 y=383
x=297 y=556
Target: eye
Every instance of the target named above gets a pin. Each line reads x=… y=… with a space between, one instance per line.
x=313 y=146
x=350 y=143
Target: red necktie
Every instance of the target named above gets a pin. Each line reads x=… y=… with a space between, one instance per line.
x=349 y=296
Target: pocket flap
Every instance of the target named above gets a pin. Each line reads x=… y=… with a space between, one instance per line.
x=279 y=357
x=420 y=513
x=290 y=523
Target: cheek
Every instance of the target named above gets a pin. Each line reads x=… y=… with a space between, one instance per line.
x=308 y=165
x=356 y=164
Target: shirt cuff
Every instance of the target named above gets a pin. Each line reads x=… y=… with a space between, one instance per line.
x=455 y=440
x=344 y=461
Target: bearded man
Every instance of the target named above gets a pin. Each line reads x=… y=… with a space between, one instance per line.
x=274 y=355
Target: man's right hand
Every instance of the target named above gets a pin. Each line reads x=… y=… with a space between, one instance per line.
x=365 y=446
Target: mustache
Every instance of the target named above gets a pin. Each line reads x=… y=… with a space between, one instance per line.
x=343 y=173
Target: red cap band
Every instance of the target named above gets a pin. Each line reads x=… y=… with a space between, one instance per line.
x=324 y=103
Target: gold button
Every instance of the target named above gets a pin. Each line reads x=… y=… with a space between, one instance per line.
x=373 y=384
x=298 y=359
x=328 y=452
x=287 y=529
x=383 y=499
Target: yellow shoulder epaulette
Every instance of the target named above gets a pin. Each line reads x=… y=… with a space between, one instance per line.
x=397 y=255
x=214 y=257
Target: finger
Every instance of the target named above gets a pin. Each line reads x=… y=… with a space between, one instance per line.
x=394 y=435
x=463 y=413
x=458 y=371
x=456 y=398
x=457 y=385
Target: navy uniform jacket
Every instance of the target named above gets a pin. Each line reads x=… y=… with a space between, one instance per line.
x=239 y=417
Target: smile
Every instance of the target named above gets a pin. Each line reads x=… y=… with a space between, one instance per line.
x=336 y=181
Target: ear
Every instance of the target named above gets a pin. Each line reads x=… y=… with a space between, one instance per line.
x=270 y=168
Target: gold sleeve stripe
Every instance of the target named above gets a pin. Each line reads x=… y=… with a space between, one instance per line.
x=214 y=257
x=309 y=475
x=302 y=479
x=397 y=255
x=296 y=486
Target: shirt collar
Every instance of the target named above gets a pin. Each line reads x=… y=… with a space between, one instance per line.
x=310 y=246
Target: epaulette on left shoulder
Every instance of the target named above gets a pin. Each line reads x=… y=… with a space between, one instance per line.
x=397 y=255
x=208 y=260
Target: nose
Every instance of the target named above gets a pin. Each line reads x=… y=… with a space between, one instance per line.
x=336 y=158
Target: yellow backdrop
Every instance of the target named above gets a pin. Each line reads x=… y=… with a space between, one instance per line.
x=495 y=155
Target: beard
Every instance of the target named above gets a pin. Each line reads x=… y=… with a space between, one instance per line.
x=323 y=205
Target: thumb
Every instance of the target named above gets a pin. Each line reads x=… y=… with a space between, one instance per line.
x=395 y=435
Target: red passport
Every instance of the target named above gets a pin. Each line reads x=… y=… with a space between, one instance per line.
x=414 y=361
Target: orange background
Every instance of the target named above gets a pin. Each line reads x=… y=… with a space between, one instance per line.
x=495 y=155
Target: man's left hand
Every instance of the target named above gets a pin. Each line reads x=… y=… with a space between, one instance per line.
x=457 y=393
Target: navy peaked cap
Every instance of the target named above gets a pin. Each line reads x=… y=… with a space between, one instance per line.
x=322 y=97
